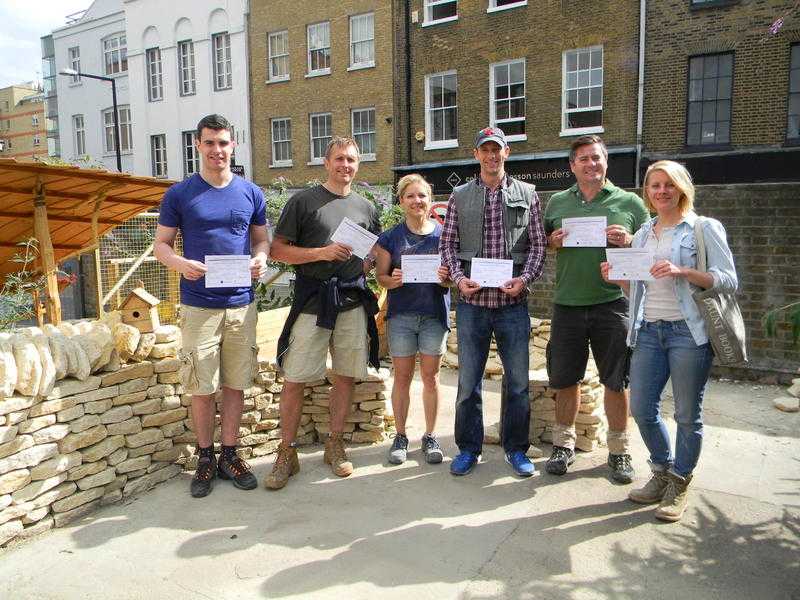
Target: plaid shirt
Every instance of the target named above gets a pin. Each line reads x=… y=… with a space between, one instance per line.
x=494 y=245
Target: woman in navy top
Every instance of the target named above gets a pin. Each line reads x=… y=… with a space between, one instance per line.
x=417 y=314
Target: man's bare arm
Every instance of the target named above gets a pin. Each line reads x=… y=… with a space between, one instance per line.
x=164 y=251
x=284 y=251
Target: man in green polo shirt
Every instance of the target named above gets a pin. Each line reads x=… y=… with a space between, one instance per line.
x=588 y=311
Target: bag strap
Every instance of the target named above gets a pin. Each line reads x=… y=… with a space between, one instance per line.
x=701 y=244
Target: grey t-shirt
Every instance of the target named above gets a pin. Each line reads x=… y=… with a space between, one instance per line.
x=308 y=221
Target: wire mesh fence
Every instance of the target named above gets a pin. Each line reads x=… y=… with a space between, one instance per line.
x=126 y=255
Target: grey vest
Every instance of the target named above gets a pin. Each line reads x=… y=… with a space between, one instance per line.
x=470 y=204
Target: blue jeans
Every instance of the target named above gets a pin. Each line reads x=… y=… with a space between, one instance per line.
x=665 y=348
x=511 y=326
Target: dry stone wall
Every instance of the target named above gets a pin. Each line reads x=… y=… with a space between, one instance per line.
x=80 y=429
x=591 y=424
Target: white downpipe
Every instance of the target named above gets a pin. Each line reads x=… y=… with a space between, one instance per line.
x=640 y=89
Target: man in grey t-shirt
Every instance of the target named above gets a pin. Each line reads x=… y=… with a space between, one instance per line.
x=329 y=281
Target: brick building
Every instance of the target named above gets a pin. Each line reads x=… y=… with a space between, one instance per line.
x=544 y=73
x=319 y=69
x=722 y=88
x=22 y=126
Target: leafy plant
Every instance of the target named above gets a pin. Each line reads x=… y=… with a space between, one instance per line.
x=21 y=288
x=792 y=311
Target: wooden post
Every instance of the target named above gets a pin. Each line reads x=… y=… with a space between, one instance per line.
x=42 y=231
x=98 y=278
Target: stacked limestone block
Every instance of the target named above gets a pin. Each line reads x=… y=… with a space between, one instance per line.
x=590 y=424
x=366 y=421
x=540 y=333
x=86 y=443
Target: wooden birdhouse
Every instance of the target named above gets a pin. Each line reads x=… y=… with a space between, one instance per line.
x=139 y=310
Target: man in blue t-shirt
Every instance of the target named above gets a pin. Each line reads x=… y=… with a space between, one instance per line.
x=218 y=213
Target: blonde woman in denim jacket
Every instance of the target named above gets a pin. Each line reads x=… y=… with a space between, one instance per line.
x=667 y=334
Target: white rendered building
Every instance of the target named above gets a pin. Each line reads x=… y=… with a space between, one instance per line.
x=95 y=43
x=186 y=60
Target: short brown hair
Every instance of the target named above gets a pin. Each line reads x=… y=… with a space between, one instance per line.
x=341 y=142
x=586 y=140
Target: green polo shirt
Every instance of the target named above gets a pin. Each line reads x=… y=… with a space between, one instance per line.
x=578 y=280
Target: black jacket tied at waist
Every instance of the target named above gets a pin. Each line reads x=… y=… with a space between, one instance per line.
x=331 y=300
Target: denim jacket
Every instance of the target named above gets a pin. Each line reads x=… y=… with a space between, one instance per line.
x=684 y=254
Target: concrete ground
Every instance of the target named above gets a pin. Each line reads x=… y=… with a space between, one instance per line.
x=415 y=531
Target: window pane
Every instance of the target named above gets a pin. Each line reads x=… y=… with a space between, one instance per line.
x=709 y=111
x=709 y=89
x=710 y=65
x=451 y=126
x=501 y=92
x=794 y=79
x=696 y=90
x=597 y=58
x=502 y=110
x=723 y=133
x=707 y=133
x=596 y=98
x=793 y=129
x=572 y=99
x=583 y=78
x=572 y=61
x=597 y=77
x=449 y=87
x=501 y=75
x=794 y=104
x=591 y=118
x=693 y=135
x=517 y=90
x=583 y=60
x=695 y=112
x=724 y=110
x=725 y=65
x=438 y=125
x=518 y=108
x=517 y=72
x=583 y=98
x=724 y=87
x=696 y=67
x=572 y=80
x=514 y=127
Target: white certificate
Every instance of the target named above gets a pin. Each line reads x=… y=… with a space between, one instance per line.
x=228 y=270
x=491 y=272
x=630 y=263
x=584 y=232
x=420 y=268
x=352 y=234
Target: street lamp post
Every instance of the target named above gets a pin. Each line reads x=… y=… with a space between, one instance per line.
x=73 y=72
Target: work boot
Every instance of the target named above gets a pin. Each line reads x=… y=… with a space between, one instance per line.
x=237 y=471
x=621 y=468
x=559 y=460
x=286 y=465
x=336 y=456
x=676 y=498
x=204 y=475
x=653 y=490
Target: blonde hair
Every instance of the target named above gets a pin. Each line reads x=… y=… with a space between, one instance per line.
x=408 y=180
x=679 y=177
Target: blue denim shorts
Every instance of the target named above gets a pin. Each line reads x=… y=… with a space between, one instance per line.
x=410 y=333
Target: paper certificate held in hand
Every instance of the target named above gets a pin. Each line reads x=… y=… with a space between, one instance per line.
x=420 y=268
x=584 y=232
x=491 y=272
x=630 y=263
x=228 y=270
x=352 y=234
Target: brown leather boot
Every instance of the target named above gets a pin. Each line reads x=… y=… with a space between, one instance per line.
x=653 y=491
x=336 y=456
x=676 y=498
x=286 y=464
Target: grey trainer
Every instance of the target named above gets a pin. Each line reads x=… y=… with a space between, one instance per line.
x=399 y=450
x=432 y=450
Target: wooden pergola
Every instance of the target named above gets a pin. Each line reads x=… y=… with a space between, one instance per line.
x=67 y=209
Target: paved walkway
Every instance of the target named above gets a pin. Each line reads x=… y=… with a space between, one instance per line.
x=417 y=532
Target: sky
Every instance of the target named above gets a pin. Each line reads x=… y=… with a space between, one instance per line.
x=22 y=23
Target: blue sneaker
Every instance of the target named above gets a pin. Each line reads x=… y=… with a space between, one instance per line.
x=520 y=463
x=464 y=462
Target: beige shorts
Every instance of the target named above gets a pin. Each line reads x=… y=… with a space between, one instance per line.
x=219 y=348
x=305 y=359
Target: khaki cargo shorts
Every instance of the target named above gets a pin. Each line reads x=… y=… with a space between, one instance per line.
x=219 y=348
x=305 y=358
